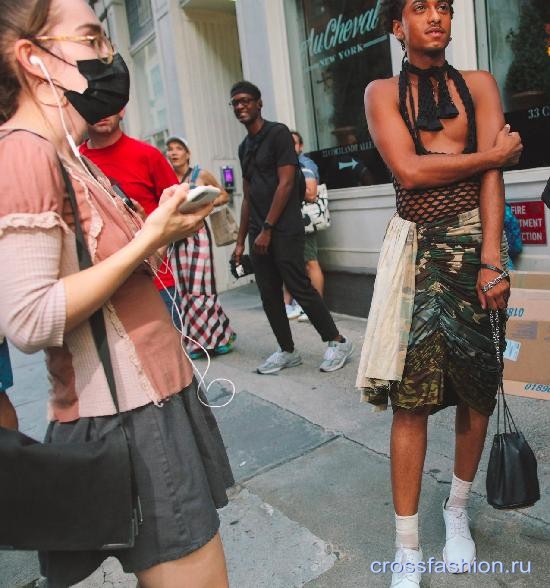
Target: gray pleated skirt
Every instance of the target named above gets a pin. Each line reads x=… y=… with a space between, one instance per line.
x=182 y=473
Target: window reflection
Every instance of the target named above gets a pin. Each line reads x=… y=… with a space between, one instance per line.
x=341 y=49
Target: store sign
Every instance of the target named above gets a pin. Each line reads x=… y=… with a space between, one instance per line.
x=343 y=49
x=344 y=36
x=532 y=221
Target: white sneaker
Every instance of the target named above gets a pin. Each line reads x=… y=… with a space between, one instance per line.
x=293 y=310
x=279 y=361
x=405 y=565
x=459 y=552
x=303 y=318
x=336 y=355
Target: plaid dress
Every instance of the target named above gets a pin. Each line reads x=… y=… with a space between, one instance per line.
x=204 y=320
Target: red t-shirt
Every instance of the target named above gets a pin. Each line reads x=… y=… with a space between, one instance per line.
x=142 y=173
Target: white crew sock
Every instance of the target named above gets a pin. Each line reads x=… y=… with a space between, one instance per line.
x=460 y=492
x=406 y=531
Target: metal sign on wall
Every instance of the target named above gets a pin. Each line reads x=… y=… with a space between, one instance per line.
x=530 y=214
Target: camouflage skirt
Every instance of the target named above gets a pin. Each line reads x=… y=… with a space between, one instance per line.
x=450 y=355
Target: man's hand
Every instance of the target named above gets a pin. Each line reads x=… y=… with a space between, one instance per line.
x=237 y=253
x=495 y=298
x=262 y=242
x=508 y=146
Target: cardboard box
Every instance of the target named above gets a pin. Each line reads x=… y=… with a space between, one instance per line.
x=530 y=280
x=527 y=355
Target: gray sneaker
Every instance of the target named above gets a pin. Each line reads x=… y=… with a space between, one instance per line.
x=336 y=355
x=279 y=361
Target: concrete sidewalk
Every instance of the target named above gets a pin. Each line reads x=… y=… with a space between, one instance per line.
x=313 y=502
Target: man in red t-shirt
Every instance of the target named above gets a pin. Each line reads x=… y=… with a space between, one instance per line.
x=140 y=171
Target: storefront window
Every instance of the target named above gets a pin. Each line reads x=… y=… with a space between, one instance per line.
x=340 y=49
x=514 y=44
x=151 y=94
x=140 y=19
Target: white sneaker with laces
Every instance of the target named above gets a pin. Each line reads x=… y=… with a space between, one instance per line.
x=293 y=310
x=279 y=361
x=405 y=565
x=459 y=552
x=336 y=355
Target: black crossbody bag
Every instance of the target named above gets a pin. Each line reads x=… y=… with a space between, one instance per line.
x=70 y=496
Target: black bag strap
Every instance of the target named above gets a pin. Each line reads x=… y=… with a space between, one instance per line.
x=97 y=321
x=99 y=332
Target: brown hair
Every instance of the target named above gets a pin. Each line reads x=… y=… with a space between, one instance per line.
x=300 y=138
x=391 y=10
x=21 y=19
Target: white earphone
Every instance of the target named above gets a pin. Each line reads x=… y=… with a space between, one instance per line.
x=35 y=60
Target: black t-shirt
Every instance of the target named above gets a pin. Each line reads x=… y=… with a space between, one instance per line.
x=261 y=155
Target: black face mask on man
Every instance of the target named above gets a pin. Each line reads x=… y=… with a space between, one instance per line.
x=108 y=89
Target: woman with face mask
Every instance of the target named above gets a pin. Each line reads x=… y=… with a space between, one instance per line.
x=58 y=72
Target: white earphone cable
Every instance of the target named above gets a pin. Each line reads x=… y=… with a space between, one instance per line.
x=171 y=250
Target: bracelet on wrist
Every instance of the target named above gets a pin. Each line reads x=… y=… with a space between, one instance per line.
x=504 y=275
x=492 y=267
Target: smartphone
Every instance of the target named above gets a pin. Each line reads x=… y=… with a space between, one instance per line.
x=118 y=191
x=198 y=197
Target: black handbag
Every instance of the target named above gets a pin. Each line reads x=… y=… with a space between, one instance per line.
x=70 y=496
x=512 y=480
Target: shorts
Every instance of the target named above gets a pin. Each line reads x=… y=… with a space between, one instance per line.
x=310 y=248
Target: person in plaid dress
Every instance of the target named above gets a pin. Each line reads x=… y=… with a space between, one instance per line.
x=204 y=322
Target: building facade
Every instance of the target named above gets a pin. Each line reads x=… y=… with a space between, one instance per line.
x=312 y=59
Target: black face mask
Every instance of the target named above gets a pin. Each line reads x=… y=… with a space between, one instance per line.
x=108 y=89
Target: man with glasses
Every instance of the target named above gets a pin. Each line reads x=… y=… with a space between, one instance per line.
x=271 y=216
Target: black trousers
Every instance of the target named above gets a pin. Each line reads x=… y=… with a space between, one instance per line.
x=285 y=264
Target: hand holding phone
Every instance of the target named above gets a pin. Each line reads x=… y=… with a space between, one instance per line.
x=198 y=197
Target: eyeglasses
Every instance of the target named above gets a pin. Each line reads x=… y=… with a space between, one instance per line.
x=242 y=101
x=99 y=42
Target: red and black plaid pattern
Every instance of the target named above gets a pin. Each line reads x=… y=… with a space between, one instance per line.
x=203 y=317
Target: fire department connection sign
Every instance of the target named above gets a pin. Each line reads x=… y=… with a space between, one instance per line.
x=530 y=214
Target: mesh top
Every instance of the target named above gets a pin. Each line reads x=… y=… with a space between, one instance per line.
x=430 y=204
